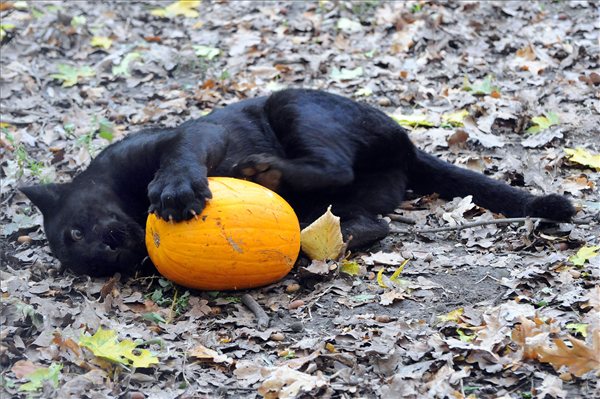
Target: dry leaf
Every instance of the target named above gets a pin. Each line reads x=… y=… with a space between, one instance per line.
x=583 y=157
x=203 y=353
x=287 y=383
x=323 y=240
x=384 y=258
x=579 y=358
x=529 y=335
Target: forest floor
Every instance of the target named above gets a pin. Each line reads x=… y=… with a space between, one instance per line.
x=506 y=88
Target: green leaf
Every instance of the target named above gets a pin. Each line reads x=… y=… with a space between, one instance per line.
x=78 y=20
x=346 y=74
x=583 y=157
x=584 y=255
x=4 y=28
x=482 y=87
x=101 y=41
x=39 y=376
x=464 y=337
x=154 y=317
x=106 y=129
x=206 y=52
x=105 y=344
x=363 y=297
x=350 y=267
x=543 y=122
x=186 y=8
x=413 y=120
x=70 y=75
x=123 y=68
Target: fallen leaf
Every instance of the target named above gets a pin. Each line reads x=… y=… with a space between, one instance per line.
x=456 y=215
x=206 y=52
x=412 y=120
x=388 y=297
x=70 y=75
x=123 y=68
x=348 y=26
x=21 y=368
x=543 y=122
x=284 y=382
x=579 y=358
x=101 y=41
x=203 y=353
x=40 y=375
x=578 y=328
x=583 y=157
x=363 y=92
x=186 y=8
x=346 y=74
x=323 y=240
x=453 y=315
x=529 y=334
x=350 y=267
x=584 y=254
x=480 y=87
x=455 y=118
x=384 y=258
x=105 y=344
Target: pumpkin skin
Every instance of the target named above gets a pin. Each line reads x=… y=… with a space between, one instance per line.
x=247 y=236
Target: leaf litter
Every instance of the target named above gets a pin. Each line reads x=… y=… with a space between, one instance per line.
x=492 y=311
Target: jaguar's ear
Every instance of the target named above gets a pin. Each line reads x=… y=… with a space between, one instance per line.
x=46 y=196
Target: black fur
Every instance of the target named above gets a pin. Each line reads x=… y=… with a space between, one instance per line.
x=312 y=147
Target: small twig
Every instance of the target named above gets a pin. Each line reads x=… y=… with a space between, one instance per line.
x=496 y=221
x=173 y=304
x=262 y=319
x=402 y=219
x=487 y=276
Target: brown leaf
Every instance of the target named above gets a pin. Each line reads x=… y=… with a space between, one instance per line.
x=203 y=353
x=523 y=333
x=579 y=358
x=66 y=343
x=21 y=368
x=458 y=137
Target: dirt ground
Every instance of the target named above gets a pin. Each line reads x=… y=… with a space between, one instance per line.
x=492 y=311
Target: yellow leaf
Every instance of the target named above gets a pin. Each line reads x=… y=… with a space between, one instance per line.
x=583 y=157
x=380 y=278
x=105 y=344
x=455 y=118
x=330 y=347
x=584 y=255
x=323 y=240
x=350 y=267
x=101 y=41
x=452 y=316
x=398 y=271
x=186 y=8
x=412 y=120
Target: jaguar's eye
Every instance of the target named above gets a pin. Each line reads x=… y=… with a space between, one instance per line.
x=76 y=234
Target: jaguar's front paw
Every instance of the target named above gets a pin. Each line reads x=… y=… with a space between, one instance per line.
x=177 y=199
x=262 y=169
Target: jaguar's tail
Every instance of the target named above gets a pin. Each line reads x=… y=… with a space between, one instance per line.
x=429 y=174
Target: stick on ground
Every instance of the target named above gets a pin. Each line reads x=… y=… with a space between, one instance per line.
x=262 y=319
x=488 y=222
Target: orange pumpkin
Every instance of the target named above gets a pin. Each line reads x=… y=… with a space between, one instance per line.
x=247 y=236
